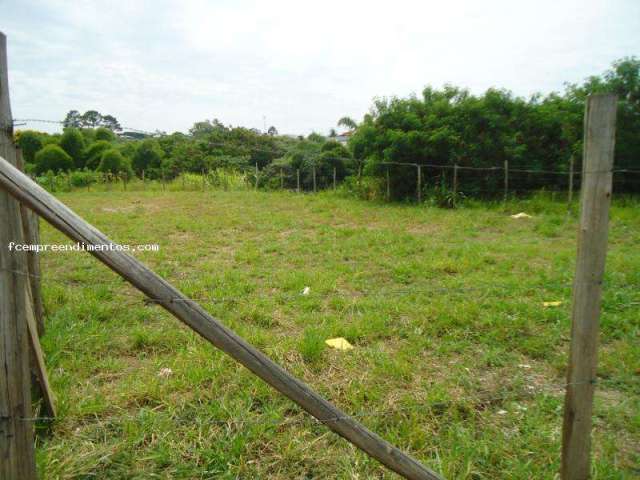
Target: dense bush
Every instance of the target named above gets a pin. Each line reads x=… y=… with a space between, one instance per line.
x=112 y=161
x=105 y=134
x=93 y=153
x=72 y=142
x=52 y=158
x=30 y=142
x=83 y=178
x=452 y=126
x=148 y=157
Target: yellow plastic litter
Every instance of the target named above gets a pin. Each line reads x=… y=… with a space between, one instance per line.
x=339 y=343
x=521 y=215
x=551 y=304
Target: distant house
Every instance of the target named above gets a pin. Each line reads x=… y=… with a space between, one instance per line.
x=343 y=137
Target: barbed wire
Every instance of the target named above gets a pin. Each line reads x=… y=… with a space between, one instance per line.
x=61 y=122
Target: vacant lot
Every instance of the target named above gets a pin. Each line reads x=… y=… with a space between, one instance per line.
x=456 y=360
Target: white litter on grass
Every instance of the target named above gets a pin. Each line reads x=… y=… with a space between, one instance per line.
x=524 y=365
x=521 y=215
x=165 y=372
x=306 y=290
x=501 y=412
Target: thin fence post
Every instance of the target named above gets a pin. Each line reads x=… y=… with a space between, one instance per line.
x=124 y=181
x=144 y=186
x=314 y=178
x=51 y=183
x=164 y=186
x=17 y=456
x=281 y=179
x=419 y=183
x=506 y=179
x=570 y=195
x=455 y=184
x=182 y=178
x=334 y=178
x=204 y=179
x=599 y=139
x=298 y=180
x=257 y=173
x=68 y=180
x=388 y=185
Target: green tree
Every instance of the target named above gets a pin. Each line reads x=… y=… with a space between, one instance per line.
x=30 y=142
x=93 y=153
x=148 y=157
x=72 y=120
x=347 y=122
x=72 y=142
x=104 y=133
x=53 y=158
x=112 y=161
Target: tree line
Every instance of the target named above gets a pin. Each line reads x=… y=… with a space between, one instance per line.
x=440 y=127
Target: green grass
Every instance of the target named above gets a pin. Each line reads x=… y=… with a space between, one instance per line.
x=455 y=359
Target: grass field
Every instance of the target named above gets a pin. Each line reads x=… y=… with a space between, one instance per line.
x=456 y=360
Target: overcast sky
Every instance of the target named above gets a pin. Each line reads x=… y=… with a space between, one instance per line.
x=159 y=64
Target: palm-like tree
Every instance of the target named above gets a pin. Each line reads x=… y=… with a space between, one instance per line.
x=347 y=122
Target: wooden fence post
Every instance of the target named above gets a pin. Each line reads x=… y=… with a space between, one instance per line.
x=204 y=179
x=570 y=198
x=314 y=178
x=17 y=456
x=334 y=178
x=419 y=186
x=506 y=180
x=599 y=140
x=388 y=185
x=257 y=173
x=144 y=185
x=298 y=180
x=455 y=184
x=164 y=186
x=281 y=179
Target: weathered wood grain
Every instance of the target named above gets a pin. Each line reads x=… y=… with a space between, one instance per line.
x=17 y=460
x=599 y=140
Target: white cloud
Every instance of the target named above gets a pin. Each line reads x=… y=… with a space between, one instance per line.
x=166 y=64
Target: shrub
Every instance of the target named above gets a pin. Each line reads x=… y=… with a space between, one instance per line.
x=82 y=178
x=104 y=134
x=148 y=156
x=112 y=161
x=93 y=154
x=30 y=143
x=72 y=142
x=53 y=158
